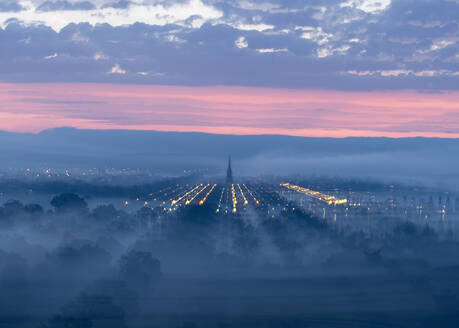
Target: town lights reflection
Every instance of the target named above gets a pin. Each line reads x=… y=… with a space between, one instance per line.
x=251 y=194
x=330 y=200
x=175 y=201
x=233 y=194
x=196 y=194
x=202 y=201
x=220 y=201
x=243 y=196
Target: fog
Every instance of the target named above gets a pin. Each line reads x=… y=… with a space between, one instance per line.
x=415 y=160
x=71 y=264
x=101 y=229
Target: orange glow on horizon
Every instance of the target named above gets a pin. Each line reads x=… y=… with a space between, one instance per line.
x=33 y=107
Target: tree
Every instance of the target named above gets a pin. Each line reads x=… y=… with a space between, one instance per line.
x=105 y=212
x=33 y=209
x=87 y=311
x=87 y=254
x=139 y=269
x=12 y=208
x=69 y=202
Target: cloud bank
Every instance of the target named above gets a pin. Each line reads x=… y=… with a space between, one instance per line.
x=228 y=110
x=333 y=44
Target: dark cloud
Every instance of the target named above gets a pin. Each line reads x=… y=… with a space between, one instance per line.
x=10 y=7
x=65 y=5
x=121 y=4
x=322 y=45
x=60 y=102
x=425 y=11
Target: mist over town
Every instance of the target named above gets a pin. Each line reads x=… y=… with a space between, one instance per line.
x=229 y=164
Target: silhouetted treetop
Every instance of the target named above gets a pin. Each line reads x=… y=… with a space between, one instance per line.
x=69 y=202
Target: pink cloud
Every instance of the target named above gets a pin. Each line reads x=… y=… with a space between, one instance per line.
x=234 y=110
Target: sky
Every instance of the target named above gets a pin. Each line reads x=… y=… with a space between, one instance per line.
x=328 y=68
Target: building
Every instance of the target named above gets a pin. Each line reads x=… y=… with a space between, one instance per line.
x=229 y=172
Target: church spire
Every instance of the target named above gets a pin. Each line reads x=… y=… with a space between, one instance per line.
x=229 y=172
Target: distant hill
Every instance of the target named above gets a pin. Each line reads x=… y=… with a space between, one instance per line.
x=172 y=152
